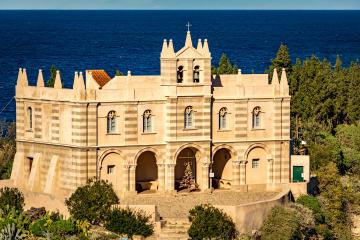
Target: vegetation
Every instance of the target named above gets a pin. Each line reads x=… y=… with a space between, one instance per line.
x=118 y=73
x=326 y=115
x=129 y=222
x=51 y=81
x=92 y=202
x=292 y=222
x=208 y=222
x=11 y=198
x=225 y=66
x=7 y=148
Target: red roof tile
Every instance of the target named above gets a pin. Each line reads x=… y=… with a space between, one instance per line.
x=100 y=76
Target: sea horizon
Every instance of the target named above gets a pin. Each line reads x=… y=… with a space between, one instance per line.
x=76 y=40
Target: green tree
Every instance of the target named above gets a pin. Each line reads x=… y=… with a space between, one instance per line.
x=118 y=73
x=92 y=201
x=51 y=81
x=282 y=60
x=208 y=222
x=334 y=201
x=225 y=66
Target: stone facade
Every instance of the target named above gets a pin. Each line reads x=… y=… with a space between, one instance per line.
x=138 y=131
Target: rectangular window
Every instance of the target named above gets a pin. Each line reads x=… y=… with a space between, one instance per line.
x=110 y=169
x=30 y=159
x=255 y=163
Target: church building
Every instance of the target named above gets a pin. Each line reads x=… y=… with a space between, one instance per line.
x=138 y=132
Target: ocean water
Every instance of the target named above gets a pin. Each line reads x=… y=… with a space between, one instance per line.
x=132 y=40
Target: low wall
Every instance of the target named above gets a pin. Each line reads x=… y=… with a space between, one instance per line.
x=248 y=217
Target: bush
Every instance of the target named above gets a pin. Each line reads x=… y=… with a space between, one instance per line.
x=313 y=204
x=92 y=202
x=13 y=225
x=208 y=222
x=53 y=226
x=281 y=224
x=129 y=222
x=12 y=198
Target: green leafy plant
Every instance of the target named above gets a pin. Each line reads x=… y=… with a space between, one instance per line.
x=208 y=222
x=129 y=222
x=12 y=198
x=92 y=202
x=13 y=223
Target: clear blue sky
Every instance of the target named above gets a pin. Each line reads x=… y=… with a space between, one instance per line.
x=179 y=4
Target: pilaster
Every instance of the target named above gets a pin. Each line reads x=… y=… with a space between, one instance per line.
x=243 y=172
x=170 y=177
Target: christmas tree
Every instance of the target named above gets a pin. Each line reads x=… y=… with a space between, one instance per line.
x=188 y=180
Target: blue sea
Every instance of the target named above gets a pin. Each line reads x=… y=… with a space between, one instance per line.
x=132 y=40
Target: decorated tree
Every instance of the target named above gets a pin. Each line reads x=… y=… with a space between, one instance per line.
x=188 y=180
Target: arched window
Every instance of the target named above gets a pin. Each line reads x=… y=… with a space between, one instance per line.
x=196 y=74
x=111 y=122
x=256 y=117
x=189 y=117
x=147 y=121
x=30 y=117
x=180 y=74
x=222 y=118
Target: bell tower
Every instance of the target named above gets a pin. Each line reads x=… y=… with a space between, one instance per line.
x=188 y=66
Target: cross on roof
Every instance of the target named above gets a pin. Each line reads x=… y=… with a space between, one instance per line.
x=188 y=26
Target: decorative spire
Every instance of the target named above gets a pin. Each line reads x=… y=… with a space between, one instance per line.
x=283 y=77
x=76 y=80
x=188 y=41
x=81 y=83
x=40 y=79
x=19 y=79
x=164 y=49
x=275 y=78
x=129 y=73
x=171 y=51
x=206 y=51
x=57 y=83
x=24 y=79
x=199 y=46
x=284 y=83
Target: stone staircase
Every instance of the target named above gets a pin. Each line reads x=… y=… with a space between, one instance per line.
x=174 y=229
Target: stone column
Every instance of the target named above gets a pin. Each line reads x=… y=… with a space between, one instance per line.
x=236 y=174
x=243 y=172
x=161 y=177
x=270 y=173
x=205 y=176
x=132 y=178
x=170 y=177
x=125 y=173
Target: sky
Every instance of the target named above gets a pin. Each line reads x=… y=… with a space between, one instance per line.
x=181 y=4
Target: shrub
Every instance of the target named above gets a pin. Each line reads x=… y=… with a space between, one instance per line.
x=281 y=224
x=92 y=202
x=13 y=225
x=313 y=204
x=208 y=222
x=129 y=222
x=53 y=226
x=12 y=198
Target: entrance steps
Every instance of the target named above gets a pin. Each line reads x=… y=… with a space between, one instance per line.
x=174 y=229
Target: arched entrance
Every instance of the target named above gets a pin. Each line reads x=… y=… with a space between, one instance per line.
x=256 y=166
x=111 y=167
x=187 y=155
x=222 y=169
x=146 y=172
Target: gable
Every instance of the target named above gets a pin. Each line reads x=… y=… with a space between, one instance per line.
x=188 y=52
